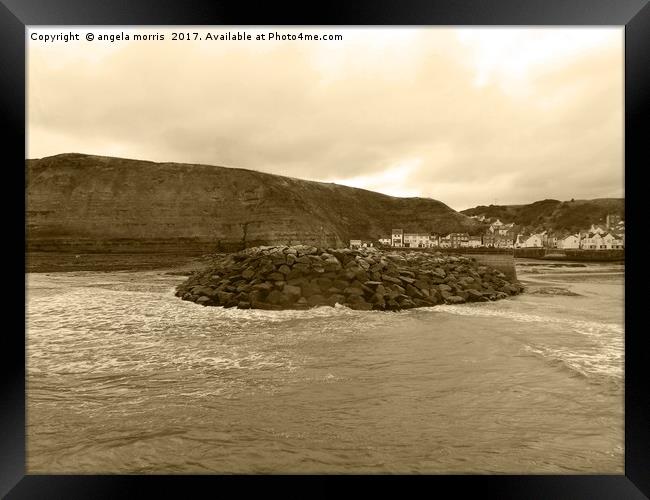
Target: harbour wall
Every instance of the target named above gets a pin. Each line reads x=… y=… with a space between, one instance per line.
x=499 y=258
x=504 y=262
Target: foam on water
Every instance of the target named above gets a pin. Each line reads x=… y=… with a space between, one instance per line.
x=602 y=353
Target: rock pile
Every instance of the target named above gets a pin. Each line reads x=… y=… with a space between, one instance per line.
x=300 y=277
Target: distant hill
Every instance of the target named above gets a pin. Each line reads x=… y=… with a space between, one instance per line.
x=554 y=214
x=78 y=202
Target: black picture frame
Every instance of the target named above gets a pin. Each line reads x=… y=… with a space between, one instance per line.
x=15 y=15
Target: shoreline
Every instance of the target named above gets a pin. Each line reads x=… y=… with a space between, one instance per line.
x=49 y=262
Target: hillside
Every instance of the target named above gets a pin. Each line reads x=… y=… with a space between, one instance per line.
x=554 y=214
x=78 y=202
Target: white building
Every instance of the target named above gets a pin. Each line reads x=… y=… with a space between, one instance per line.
x=385 y=241
x=360 y=244
x=397 y=238
x=571 y=241
x=592 y=241
x=474 y=241
x=445 y=241
x=612 y=241
x=417 y=240
x=532 y=241
x=502 y=229
x=496 y=224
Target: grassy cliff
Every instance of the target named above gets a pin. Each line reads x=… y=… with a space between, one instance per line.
x=554 y=214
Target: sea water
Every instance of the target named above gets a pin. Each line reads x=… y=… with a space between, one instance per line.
x=124 y=377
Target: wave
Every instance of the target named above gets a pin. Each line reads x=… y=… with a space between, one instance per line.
x=594 y=366
x=580 y=326
x=597 y=353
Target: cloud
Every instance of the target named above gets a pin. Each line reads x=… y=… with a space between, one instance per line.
x=464 y=116
x=394 y=181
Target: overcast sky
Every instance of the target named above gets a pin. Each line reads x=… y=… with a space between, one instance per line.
x=466 y=116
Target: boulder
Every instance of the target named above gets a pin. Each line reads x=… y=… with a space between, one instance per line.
x=225 y=297
x=331 y=263
x=292 y=292
x=317 y=300
x=203 y=291
x=474 y=295
x=406 y=303
x=392 y=305
x=248 y=273
x=356 y=302
x=422 y=284
x=310 y=289
x=391 y=279
x=335 y=298
x=411 y=291
x=276 y=297
x=266 y=287
x=323 y=283
x=340 y=284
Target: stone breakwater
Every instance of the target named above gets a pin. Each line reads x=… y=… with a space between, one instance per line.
x=300 y=277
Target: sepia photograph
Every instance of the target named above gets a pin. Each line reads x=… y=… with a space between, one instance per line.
x=332 y=250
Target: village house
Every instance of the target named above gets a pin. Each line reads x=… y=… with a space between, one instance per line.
x=496 y=225
x=505 y=241
x=597 y=241
x=504 y=229
x=532 y=241
x=570 y=241
x=494 y=239
x=397 y=238
x=459 y=240
x=591 y=241
x=475 y=242
x=613 y=241
x=385 y=241
x=445 y=241
x=550 y=241
x=361 y=244
x=490 y=239
x=417 y=240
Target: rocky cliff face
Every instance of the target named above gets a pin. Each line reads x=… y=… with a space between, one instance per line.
x=82 y=202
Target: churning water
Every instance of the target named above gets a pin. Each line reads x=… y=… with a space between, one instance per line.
x=124 y=377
